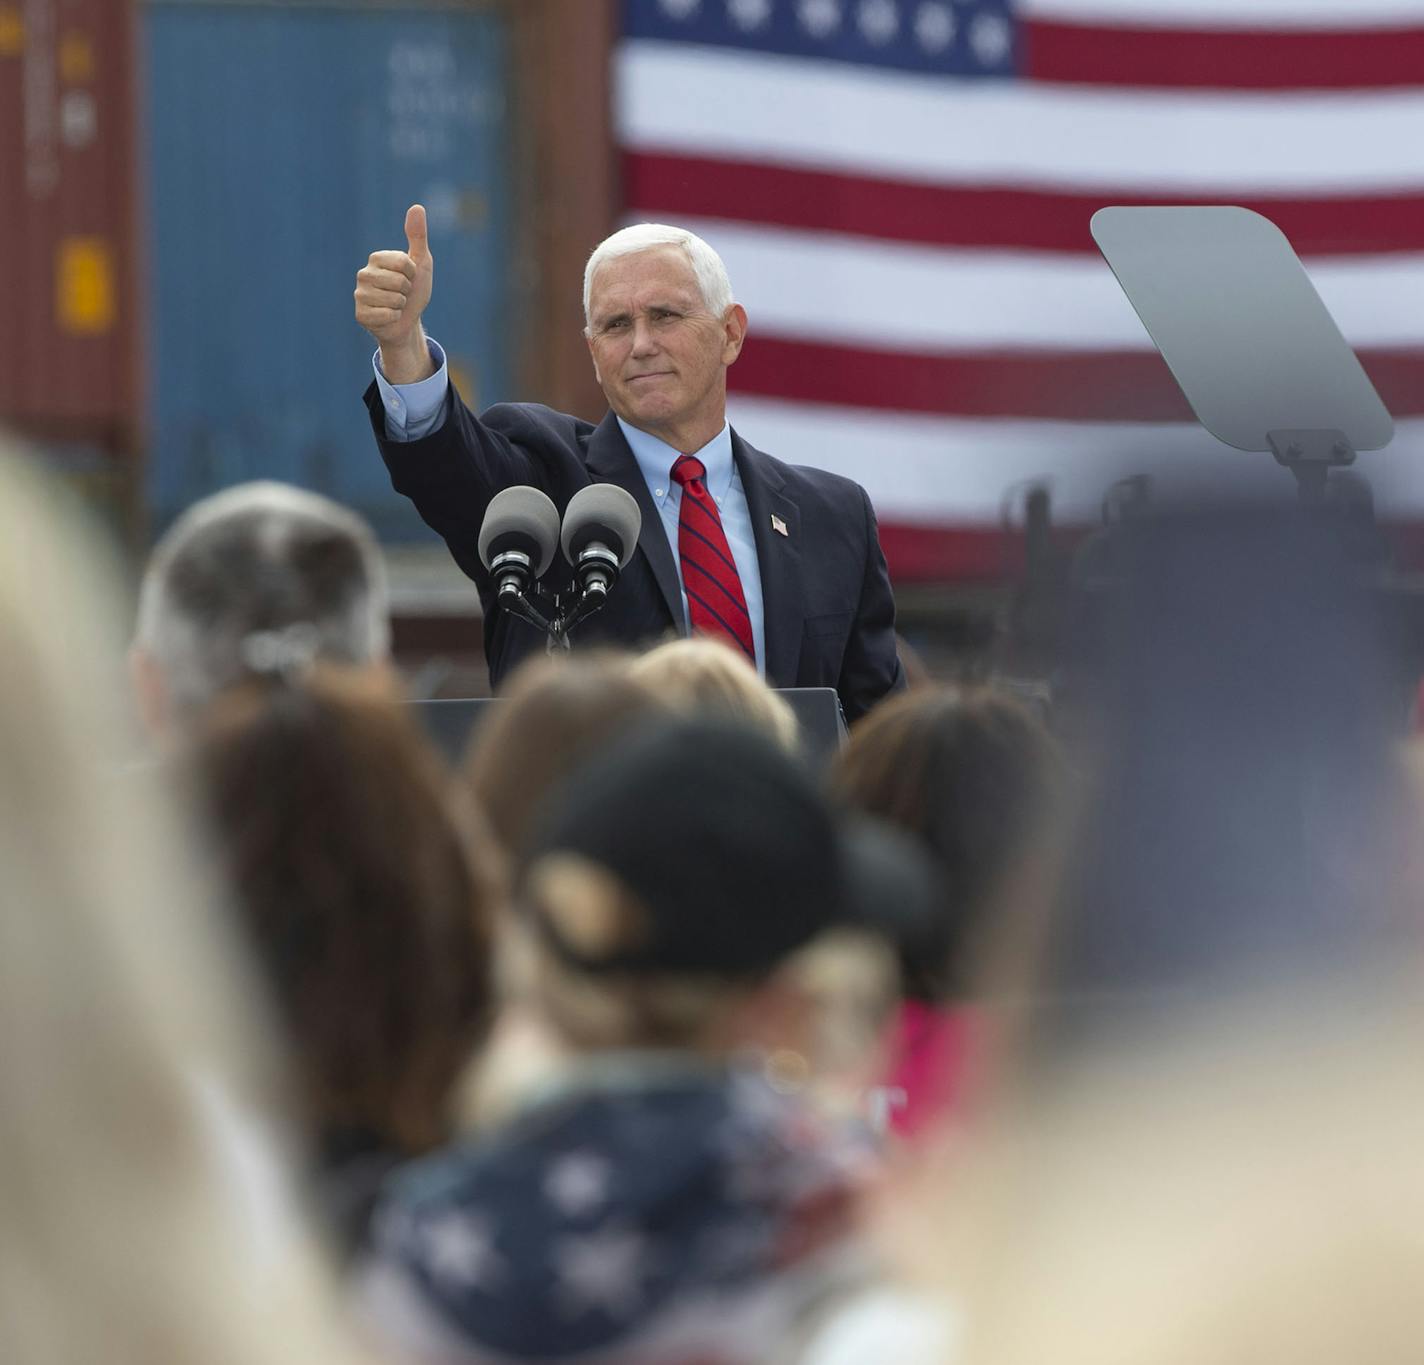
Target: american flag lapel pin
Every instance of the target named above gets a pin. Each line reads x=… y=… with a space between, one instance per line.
x=779 y=526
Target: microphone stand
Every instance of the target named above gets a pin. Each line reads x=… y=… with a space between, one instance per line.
x=553 y=613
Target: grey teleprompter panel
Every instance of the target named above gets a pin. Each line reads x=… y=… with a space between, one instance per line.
x=1229 y=305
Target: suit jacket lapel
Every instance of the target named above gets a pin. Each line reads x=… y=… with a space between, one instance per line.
x=778 y=559
x=610 y=461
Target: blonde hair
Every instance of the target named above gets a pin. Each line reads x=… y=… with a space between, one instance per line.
x=120 y=1016
x=845 y=974
x=704 y=677
x=593 y=1011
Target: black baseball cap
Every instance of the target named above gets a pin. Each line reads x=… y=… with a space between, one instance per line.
x=729 y=851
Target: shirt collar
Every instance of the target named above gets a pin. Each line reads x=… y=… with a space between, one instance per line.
x=656 y=458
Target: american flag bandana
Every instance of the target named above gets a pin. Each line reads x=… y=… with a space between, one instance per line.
x=691 y=1218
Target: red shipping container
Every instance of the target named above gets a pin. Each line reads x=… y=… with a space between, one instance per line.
x=69 y=341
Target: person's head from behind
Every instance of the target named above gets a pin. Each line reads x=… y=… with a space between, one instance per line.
x=974 y=776
x=365 y=890
x=662 y=327
x=705 y=677
x=669 y=891
x=556 y=713
x=123 y=1010
x=256 y=571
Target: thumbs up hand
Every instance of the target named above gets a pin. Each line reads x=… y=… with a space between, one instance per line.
x=392 y=290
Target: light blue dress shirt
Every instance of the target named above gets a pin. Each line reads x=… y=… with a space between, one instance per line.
x=655 y=461
x=415 y=410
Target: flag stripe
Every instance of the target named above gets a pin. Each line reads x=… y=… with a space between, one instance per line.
x=927 y=469
x=1285 y=16
x=1110 y=386
x=829 y=287
x=997 y=218
x=1128 y=386
x=822 y=115
x=982 y=554
x=1262 y=59
x=969 y=553
x=931 y=470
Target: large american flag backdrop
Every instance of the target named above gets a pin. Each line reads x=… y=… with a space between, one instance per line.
x=901 y=190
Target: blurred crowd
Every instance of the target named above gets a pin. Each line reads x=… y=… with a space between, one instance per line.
x=643 y=1034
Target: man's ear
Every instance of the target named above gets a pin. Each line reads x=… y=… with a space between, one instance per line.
x=734 y=326
x=593 y=355
x=149 y=690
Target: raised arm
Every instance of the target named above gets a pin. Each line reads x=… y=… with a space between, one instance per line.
x=440 y=455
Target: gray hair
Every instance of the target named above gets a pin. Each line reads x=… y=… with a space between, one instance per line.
x=712 y=278
x=254 y=566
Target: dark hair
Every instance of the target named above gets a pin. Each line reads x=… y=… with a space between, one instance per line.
x=557 y=714
x=364 y=891
x=973 y=774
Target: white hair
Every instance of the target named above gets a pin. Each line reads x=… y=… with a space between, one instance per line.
x=254 y=560
x=712 y=278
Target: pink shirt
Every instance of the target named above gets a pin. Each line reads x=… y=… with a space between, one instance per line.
x=930 y=1050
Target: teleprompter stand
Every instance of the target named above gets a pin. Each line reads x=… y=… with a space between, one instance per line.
x=1310 y=456
x=1264 y=367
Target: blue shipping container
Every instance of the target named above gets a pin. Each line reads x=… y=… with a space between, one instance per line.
x=284 y=146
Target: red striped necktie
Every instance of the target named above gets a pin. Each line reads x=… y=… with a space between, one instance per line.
x=715 y=602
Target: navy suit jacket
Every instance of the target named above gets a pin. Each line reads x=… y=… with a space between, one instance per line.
x=828 y=611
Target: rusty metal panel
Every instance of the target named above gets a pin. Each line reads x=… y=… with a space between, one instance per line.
x=69 y=363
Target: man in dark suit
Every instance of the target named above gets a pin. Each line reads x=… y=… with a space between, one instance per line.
x=781 y=561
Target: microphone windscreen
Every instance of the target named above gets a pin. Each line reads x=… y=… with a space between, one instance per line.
x=607 y=509
x=528 y=516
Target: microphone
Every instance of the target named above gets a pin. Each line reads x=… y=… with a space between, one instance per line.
x=600 y=534
x=517 y=540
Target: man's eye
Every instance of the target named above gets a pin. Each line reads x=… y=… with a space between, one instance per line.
x=617 y=325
